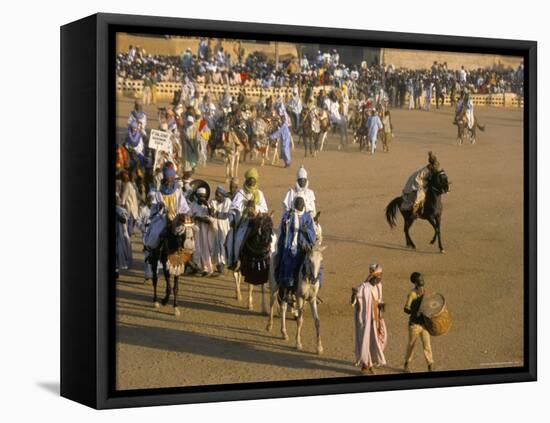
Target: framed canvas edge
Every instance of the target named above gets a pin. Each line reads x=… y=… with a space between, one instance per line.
x=105 y=396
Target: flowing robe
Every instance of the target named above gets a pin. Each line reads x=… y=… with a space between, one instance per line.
x=239 y=223
x=370 y=328
x=292 y=239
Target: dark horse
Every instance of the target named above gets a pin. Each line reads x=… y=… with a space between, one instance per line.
x=255 y=256
x=432 y=210
x=174 y=251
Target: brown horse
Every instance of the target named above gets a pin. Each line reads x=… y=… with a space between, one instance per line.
x=314 y=127
x=464 y=130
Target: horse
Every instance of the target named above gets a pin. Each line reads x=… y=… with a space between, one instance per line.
x=306 y=291
x=259 y=130
x=314 y=128
x=174 y=251
x=432 y=210
x=255 y=257
x=463 y=129
x=361 y=132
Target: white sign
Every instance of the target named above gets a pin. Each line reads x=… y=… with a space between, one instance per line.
x=160 y=140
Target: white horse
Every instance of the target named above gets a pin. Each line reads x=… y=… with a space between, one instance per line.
x=307 y=290
x=233 y=150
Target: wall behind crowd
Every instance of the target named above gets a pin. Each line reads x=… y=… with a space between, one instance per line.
x=421 y=59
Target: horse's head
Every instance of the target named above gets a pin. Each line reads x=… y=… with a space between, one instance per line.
x=262 y=229
x=313 y=261
x=439 y=182
x=181 y=229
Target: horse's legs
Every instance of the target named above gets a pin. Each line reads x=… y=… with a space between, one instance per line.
x=299 y=322
x=473 y=134
x=317 y=321
x=408 y=224
x=237 y=277
x=237 y=165
x=438 y=232
x=272 y=298
x=154 y=268
x=264 y=306
x=250 y=290
x=168 y=286
x=176 y=289
x=283 y=320
x=323 y=136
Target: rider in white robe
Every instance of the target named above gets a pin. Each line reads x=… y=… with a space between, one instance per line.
x=414 y=192
x=301 y=189
x=249 y=194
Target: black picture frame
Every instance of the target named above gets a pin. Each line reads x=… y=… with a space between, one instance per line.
x=87 y=126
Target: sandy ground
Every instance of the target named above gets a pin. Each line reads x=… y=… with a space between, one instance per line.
x=216 y=340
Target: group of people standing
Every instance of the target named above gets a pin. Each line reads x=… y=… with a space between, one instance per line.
x=371 y=334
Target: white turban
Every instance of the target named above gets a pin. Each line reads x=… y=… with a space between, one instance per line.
x=302 y=173
x=201 y=190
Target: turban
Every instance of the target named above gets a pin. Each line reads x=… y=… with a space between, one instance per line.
x=168 y=171
x=252 y=173
x=201 y=190
x=375 y=269
x=302 y=173
x=221 y=190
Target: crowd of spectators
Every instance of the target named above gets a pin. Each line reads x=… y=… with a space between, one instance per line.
x=211 y=64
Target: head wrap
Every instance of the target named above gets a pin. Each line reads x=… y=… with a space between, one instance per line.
x=221 y=190
x=201 y=190
x=252 y=173
x=168 y=171
x=432 y=159
x=302 y=173
x=254 y=191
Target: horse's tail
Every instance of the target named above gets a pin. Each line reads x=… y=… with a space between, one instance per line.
x=391 y=211
x=480 y=126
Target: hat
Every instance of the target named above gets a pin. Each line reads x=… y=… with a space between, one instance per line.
x=375 y=269
x=252 y=173
x=221 y=190
x=190 y=119
x=201 y=190
x=168 y=171
x=302 y=173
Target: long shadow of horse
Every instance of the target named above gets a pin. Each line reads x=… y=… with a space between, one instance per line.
x=202 y=305
x=375 y=244
x=221 y=347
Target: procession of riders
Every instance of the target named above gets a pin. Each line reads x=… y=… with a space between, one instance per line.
x=186 y=229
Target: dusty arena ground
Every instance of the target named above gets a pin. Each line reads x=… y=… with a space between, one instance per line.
x=216 y=340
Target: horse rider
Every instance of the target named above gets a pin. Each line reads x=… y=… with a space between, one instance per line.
x=414 y=192
x=296 y=237
x=295 y=109
x=138 y=115
x=169 y=197
x=247 y=202
x=465 y=107
x=237 y=122
x=302 y=189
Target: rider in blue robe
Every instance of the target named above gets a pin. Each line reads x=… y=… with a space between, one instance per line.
x=296 y=237
x=283 y=134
